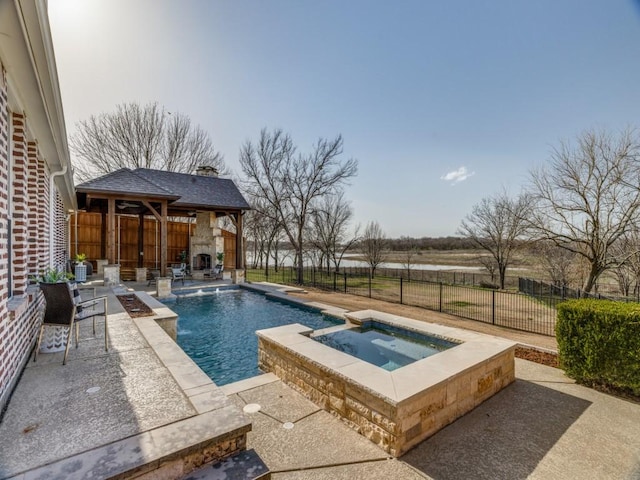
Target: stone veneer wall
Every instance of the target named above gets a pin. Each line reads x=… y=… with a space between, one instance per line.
x=393 y=426
x=182 y=463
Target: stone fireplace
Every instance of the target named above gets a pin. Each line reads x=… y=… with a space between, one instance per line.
x=205 y=243
x=201 y=261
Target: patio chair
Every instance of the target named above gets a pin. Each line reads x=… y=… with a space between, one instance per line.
x=65 y=308
x=177 y=274
x=217 y=272
x=154 y=277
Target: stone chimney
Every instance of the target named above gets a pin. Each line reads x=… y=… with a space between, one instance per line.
x=207 y=171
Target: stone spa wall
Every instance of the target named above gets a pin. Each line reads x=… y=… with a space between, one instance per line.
x=396 y=410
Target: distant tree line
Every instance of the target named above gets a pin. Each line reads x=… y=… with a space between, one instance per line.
x=405 y=243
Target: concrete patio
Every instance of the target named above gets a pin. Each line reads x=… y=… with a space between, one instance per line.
x=152 y=402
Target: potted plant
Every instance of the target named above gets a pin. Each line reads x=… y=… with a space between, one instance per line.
x=53 y=283
x=52 y=275
x=81 y=268
x=220 y=257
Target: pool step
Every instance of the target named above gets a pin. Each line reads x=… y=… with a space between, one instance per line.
x=247 y=465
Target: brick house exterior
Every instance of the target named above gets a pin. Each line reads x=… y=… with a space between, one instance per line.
x=36 y=184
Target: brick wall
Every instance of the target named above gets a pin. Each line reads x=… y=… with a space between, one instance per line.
x=19 y=202
x=4 y=234
x=30 y=232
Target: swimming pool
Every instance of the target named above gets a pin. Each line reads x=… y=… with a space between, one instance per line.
x=217 y=329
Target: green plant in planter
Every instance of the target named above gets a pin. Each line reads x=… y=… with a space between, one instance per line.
x=81 y=257
x=53 y=275
x=183 y=256
x=220 y=257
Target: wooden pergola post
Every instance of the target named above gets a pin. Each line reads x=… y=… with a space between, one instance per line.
x=164 y=209
x=103 y=234
x=239 y=246
x=162 y=218
x=141 y=240
x=111 y=230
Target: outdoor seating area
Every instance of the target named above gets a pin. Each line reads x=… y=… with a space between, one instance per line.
x=64 y=310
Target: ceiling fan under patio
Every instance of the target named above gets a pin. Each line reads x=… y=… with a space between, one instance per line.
x=123 y=205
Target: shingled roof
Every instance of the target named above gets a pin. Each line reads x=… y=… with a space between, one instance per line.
x=181 y=189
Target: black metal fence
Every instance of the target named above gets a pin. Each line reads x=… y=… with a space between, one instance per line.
x=455 y=278
x=554 y=294
x=497 y=307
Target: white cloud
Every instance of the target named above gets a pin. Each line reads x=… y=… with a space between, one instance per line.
x=457 y=176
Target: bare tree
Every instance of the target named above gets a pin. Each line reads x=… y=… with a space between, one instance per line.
x=558 y=263
x=490 y=265
x=410 y=250
x=627 y=271
x=329 y=232
x=497 y=225
x=137 y=136
x=587 y=197
x=373 y=246
x=292 y=183
x=263 y=226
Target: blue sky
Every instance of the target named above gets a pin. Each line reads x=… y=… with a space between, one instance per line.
x=442 y=103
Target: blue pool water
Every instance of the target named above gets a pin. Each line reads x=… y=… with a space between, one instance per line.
x=217 y=330
x=384 y=347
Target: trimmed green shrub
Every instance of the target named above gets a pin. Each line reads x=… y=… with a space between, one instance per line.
x=599 y=342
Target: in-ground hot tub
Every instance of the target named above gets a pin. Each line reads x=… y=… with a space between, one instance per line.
x=382 y=345
x=395 y=409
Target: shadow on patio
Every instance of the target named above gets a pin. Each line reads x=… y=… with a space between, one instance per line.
x=505 y=437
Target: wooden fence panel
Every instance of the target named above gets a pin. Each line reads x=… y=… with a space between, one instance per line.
x=89 y=227
x=229 y=249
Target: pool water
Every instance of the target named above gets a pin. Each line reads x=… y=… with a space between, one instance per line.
x=386 y=349
x=217 y=329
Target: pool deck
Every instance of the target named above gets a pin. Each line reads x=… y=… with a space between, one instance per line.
x=542 y=426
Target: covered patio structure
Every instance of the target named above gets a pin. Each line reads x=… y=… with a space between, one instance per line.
x=163 y=195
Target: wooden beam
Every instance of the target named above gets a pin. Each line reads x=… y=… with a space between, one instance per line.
x=141 y=240
x=239 y=244
x=103 y=235
x=163 y=237
x=154 y=211
x=111 y=230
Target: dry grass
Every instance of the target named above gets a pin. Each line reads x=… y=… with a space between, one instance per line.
x=354 y=303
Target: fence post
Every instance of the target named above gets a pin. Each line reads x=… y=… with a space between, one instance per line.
x=335 y=281
x=400 y=290
x=369 y=284
x=440 y=307
x=345 y=282
x=493 y=307
x=313 y=276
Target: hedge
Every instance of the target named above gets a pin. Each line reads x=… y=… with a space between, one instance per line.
x=599 y=342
